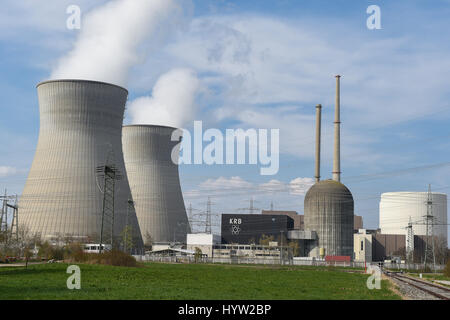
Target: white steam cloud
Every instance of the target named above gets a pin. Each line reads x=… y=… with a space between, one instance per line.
x=172 y=102
x=111 y=39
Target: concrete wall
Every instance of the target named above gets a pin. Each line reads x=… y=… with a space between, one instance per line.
x=387 y=245
x=80 y=125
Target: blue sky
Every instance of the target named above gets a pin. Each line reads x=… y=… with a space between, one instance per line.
x=266 y=64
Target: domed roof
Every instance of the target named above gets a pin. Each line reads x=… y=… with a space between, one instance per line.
x=328 y=187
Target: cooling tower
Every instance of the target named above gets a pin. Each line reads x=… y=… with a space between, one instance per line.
x=80 y=129
x=155 y=183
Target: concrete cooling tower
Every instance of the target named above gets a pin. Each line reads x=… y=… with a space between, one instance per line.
x=80 y=128
x=155 y=183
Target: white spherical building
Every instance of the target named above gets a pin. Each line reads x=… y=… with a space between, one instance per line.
x=396 y=208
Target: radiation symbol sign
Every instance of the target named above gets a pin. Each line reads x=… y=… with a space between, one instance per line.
x=235 y=229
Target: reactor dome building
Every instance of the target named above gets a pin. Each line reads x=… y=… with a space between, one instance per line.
x=151 y=159
x=80 y=130
x=329 y=206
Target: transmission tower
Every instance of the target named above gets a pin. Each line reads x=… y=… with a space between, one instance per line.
x=9 y=202
x=4 y=217
x=15 y=219
x=429 y=222
x=110 y=174
x=251 y=208
x=208 y=216
x=410 y=242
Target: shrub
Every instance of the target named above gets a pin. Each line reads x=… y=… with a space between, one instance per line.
x=117 y=258
x=112 y=258
x=447 y=269
x=74 y=253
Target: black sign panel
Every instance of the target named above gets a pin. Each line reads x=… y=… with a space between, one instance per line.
x=249 y=228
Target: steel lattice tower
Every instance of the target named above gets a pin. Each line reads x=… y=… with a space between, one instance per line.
x=208 y=216
x=410 y=242
x=110 y=174
x=429 y=221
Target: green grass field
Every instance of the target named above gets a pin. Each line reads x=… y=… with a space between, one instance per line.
x=187 y=281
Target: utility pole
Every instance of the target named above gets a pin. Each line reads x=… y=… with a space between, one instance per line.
x=271 y=205
x=429 y=248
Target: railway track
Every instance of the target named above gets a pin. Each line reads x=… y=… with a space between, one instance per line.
x=432 y=289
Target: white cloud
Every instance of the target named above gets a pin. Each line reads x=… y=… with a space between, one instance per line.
x=223 y=183
x=270 y=72
x=172 y=102
x=299 y=186
x=6 y=171
x=116 y=36
x=223 y=187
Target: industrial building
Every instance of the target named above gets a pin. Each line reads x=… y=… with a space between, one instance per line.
x=329 y=204
x=203 y=241
x=250 y=228
x=362 y=246
x=155 y=182
x=80 y=131
x=299 y=219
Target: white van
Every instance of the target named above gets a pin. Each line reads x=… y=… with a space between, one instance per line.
x=95 y=247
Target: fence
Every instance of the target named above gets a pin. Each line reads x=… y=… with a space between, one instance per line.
x=222 y=260
x=278 y=261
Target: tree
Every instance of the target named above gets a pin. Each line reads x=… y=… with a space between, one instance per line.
x=440 y=250
x=127 y=238
x=295 y=248
x=148 y=241
x=447 y=269
x=265 y=240
x=27 y=255
x=198 y=254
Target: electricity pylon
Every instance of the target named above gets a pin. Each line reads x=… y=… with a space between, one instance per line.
x=429 y=221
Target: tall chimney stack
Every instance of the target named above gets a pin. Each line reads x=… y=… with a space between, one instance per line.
x=318 y=130
x=337 y=134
